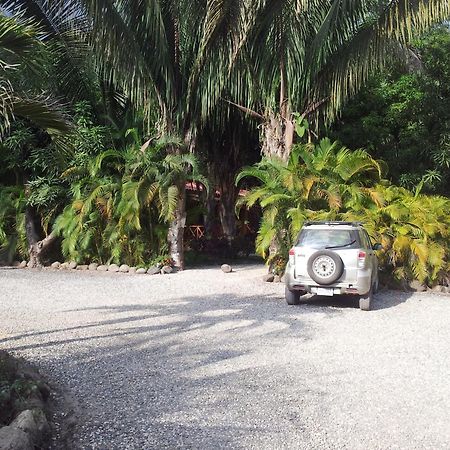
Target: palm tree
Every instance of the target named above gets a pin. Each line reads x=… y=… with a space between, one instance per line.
x=122 y=201
x=317 y=182
x=310 y=56
x=169 y=55
x=22 y=95
x=20 y=49
x=413 y=229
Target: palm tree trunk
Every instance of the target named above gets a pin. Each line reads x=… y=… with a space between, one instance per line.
x=277 y=137
x=175 y=235
x=210 y=213
x=227 y=211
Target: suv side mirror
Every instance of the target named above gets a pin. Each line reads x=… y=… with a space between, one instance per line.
x=377 y=246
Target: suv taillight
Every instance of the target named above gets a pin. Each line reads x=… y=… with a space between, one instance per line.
x=292 y=256
x=361 y=259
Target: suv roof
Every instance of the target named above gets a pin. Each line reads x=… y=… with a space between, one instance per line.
x=334 y=223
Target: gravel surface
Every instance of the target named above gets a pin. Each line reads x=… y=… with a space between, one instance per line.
x=204 y=359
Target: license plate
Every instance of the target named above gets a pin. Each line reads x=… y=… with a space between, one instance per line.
x=325 y=291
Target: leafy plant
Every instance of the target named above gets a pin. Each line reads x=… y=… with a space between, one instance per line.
x=414 y=231
x=13 y=241
x=121 y=204
x=328 y=182
x=317 y=182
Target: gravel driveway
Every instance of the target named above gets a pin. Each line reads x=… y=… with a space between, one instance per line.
x=203 y=359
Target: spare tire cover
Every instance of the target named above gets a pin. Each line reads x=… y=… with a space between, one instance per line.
x=325 y=267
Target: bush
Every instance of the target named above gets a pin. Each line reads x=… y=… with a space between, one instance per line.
x=328 y=182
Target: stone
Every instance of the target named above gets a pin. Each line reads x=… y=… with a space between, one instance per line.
x=30 y=265
x=417 y=286
x=132 y=270
x=124 y=268
x=276 y=278
x=113 y=268
x=141 y=271
x=154 y=270
x=166 y=270
x=268 y=278
x=55 y=265
x=226 y=268
x=93 y=266
x=22 y=265
x=34 y=423
x=102 y=268
x=72 y=265
x=64 y=265
x=82 y=267
x=283 y=278
x=12 y=438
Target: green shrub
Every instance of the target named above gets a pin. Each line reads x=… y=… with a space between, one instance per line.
x=329 y=182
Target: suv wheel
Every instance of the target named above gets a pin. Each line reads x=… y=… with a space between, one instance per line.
x=365 y=302
x=292 y=297
x=325 y=267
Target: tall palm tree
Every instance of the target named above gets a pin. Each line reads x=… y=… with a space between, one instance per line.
x=310 y=56
x=172 y=55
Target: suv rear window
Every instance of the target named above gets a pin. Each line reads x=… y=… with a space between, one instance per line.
x=322 y=238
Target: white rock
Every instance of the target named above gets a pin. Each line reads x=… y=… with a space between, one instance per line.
x=34 y=423
x=12 y=438
x=226 y=268
x=167 y=269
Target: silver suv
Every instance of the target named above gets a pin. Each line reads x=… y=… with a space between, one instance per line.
x=332 y=258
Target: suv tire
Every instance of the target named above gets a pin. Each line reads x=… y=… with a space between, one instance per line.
x=365 y=302
x=332 y=267
x=292 y=297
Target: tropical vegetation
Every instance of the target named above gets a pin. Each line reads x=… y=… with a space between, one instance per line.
x=326 y=181
x=109 y=109
x=403 y=117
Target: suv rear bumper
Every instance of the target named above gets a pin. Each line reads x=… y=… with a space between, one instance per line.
x=361 y=286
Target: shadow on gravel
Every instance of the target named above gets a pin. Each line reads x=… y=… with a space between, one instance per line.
x=383 y=300
x=191 y=372
x=184 y=373
x=225 y=311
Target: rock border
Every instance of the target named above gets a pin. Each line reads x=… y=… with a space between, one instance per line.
x=71 y=266
x=29 y=428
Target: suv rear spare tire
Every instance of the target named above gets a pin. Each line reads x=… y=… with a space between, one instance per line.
x=325 y=267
